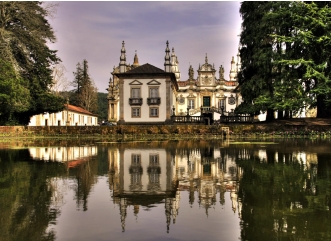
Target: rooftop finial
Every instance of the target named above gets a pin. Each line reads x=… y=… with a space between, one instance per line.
x=135 y=60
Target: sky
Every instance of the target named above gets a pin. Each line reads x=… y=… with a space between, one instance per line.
x=95 y=30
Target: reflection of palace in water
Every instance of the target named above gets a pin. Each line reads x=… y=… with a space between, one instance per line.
x=72 y=155
x=146 y=176
x=142 y=176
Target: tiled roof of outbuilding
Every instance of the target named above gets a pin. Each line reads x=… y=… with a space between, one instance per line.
x=78 y=109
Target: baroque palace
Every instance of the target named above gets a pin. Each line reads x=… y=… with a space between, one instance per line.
x=145 y=94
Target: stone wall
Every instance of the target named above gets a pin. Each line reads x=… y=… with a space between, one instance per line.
x=74 y=131
x=103 y=130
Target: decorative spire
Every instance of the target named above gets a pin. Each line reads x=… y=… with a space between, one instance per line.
x=135 y=60
x=123 y=59
x=174 y=65
x=173 y=57
x=167 y=64
x=233 y=74
x=123 y=52
x=206 y=59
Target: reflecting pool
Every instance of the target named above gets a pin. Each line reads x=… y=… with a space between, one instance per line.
x=173 y=190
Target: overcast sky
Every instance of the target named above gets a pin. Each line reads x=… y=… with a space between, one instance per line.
x=95 y=30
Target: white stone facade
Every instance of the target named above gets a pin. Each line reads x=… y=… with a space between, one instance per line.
x=70 y=116
x=208 y=91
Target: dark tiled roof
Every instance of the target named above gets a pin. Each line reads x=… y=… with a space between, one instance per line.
x=146 y=69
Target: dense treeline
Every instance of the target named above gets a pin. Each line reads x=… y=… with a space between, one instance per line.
x=102 y=107
x=285 y=53
x=26 y=62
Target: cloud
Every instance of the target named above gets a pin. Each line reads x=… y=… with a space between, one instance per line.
x=95 y=30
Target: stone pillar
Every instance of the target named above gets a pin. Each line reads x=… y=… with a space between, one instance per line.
x=168 y=93
x=109 y=110
x=198 y=100
x=121 y=93
x=115 y=110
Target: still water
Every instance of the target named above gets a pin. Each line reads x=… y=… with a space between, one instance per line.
x=176 y=190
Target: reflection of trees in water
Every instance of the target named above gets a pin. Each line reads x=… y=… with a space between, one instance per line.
x=279 y=201
x=26 y=197
x=85 y=177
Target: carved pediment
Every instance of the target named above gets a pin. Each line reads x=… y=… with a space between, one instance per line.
x=205 y=92
x=220 y=93
x=135 y=82
x=153 y=82
x=190 y=94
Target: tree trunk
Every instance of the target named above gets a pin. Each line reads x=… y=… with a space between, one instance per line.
x=286 y=114
x=280 y=115
x=322 y=110
x=270 y=115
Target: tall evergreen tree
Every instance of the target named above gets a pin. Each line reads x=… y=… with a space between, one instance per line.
x=24 y=33
x=84 y=93
x=285 y=57
x=255 y=77
x=311 y=36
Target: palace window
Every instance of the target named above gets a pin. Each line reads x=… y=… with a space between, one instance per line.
x=153 y=92
x=154 y=98
x=135 y=112
x=221 y=104
x=135 y=93
x=135 y=96
x=154 y=112
x=191 y=104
